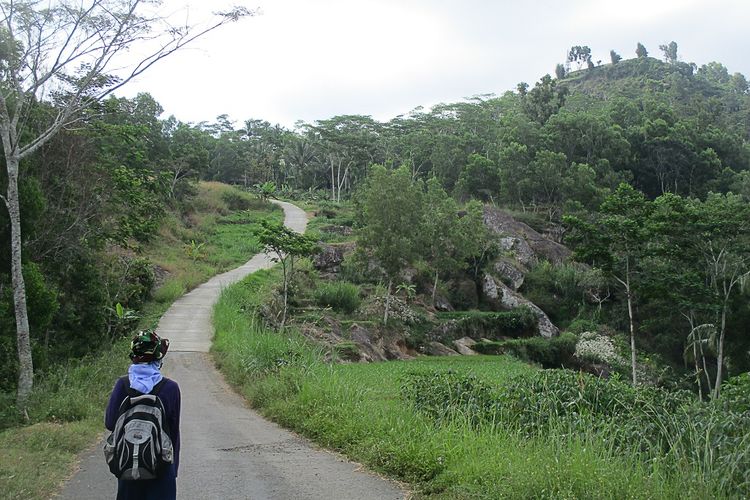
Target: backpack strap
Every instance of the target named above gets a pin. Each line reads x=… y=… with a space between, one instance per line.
x=158 y=386
x=132 y=392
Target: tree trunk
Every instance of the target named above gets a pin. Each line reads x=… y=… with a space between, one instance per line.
x=629 y=296
x=632 y=335
x=286 y=287
x=387 y=302
x=23 y=338
x=434 y=288
x=720 y=357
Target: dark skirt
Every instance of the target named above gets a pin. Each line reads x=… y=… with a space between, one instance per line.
x=162 y=488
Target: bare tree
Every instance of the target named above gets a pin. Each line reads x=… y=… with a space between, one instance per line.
x=60 y=57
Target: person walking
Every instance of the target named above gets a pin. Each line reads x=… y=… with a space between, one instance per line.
x=147 y=352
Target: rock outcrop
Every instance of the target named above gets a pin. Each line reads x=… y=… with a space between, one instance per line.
x=464 y=346
x=330 y=257
x=501 y=296
x=437 y=349
x=525 y=243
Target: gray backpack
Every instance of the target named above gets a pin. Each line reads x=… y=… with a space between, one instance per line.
x=139 y=447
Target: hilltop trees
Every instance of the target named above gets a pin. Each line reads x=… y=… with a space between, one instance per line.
x=56 y=67
x=640 y=50
x=580 y=55
x=670 y=52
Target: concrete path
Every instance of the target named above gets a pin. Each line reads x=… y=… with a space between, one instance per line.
x=228 y=450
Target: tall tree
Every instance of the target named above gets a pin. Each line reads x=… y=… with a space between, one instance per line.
x=614 y=57
x=64 y=52
x=640 y=50
x=670 y=52
x=614 y=242
x=390 y=209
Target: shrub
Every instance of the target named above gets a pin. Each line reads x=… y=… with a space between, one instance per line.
x=493 y=325
x=238 y=200
x=342 y=296
x=550 y=353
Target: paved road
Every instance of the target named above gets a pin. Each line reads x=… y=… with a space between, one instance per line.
x=228 y=450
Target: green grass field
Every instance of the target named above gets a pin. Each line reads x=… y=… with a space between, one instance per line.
x=360 y=410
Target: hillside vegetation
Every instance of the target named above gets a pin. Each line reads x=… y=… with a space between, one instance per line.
x=595 y=225
x=65 y=411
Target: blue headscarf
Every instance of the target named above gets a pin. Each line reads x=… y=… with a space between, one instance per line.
x=144 y=376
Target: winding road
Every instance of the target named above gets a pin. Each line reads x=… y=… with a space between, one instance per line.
x=228 y=450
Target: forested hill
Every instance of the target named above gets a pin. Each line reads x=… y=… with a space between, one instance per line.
x=560 y=146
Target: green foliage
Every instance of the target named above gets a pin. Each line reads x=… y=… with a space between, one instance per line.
x=390 y=207
x=654 y=424
x=493 y=325
x=556 y=352
x=238 y=200
x=340 y=295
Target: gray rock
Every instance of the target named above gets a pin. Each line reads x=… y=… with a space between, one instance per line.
x=330 y=257
x=374 y=347
x=526 y=243
x=438 y=349
x=501 y=295
x=442 y=303
x=510 y=272
x=463 y=346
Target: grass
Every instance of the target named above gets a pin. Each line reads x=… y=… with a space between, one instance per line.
x=360 y=410
x=67 y=405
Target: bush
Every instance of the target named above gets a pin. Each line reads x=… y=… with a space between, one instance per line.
x=556 y=352
x=342 y=296
x=237 y=200
x=519 y=322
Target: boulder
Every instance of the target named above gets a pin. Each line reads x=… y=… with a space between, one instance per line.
x=510 y=272
x=437 y=349
x=374 y=347
x=442 y=303
x=500 y=295
x=464 y=346
x=526 y=243
x=330 y=257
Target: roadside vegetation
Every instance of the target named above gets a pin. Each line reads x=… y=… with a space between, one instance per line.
x=485 y=426
x=214 y=233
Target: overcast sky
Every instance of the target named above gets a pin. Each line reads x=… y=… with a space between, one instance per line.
x=314 y=59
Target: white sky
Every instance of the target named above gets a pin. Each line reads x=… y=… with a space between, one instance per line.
x=314 y=59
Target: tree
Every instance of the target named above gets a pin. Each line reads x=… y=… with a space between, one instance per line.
x=706 y=249
x=439 y=231
x=670 y=52
x=479 y=178
x=544 y=100
x=560 y=71
x=722 y=238
x=640 y=50
x=390 y=206
x=614 y=242
x=614 y=57
x=580 y=55
x=287 y=246
x=56 y=59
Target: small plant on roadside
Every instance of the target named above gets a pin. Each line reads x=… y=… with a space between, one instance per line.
x=122 y=321
x=195 y=251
